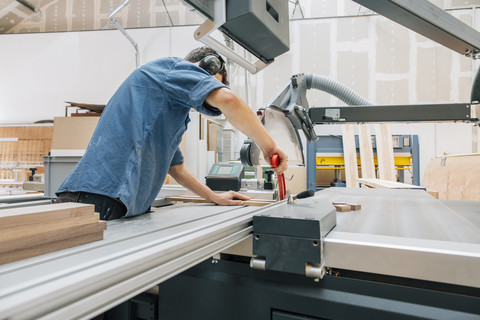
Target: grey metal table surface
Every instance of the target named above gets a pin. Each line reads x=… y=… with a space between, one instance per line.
x=406 y=233
x=135 y=254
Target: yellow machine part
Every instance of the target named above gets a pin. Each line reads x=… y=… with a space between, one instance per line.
x=329 y=163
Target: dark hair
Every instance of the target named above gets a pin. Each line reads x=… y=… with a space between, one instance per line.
x=199 y=53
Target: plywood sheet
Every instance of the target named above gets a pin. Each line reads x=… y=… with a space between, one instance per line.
x=454 y=177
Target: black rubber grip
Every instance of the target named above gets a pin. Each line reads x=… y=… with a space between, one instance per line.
x=305 y=194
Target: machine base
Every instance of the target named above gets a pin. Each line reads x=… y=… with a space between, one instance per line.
x=221 y=289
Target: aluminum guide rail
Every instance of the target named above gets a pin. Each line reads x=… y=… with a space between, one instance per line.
x=136 y=254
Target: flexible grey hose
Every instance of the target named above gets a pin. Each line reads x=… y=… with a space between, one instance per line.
x=336 y=89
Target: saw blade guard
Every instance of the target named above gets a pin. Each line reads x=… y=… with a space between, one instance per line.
x=285 y=136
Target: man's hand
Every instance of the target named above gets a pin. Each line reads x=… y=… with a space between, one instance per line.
x=282 y=166
x=229 y=198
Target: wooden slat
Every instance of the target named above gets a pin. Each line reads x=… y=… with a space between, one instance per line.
x=350 y=156
x=366 y=151
x=385 y=157
x=49 y=247
x=44 y=213
x=251 y=202
x=379 y=183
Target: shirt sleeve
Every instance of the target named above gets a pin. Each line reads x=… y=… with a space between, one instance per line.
x=177 y=158
x=190 y=83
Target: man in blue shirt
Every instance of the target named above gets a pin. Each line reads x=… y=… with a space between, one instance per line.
x=136 y=142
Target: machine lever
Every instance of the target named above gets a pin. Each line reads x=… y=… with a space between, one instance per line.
x=302 y=195
x=274 y=162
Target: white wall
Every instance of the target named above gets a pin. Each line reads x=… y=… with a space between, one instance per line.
x=38 y=72
x=41 y=71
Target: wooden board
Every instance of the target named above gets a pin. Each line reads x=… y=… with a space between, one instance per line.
x=195 y=199
x=385 y=157
x=43 y=238
x=366 y=151
x=23 y=230
x=379 y=183
x=49 y=247
x=350 y=156
x=454 y=177
x=35 y=215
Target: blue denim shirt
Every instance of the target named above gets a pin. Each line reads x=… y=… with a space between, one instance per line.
x=138 y=134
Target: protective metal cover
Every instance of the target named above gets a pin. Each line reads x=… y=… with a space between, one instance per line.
x=286 y=137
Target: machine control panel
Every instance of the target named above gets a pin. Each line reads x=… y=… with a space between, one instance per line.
x=225 y=177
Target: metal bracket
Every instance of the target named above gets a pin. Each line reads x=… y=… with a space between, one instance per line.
x=203 y=32
x=111 y=17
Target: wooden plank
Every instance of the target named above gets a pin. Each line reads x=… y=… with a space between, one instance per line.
x=49 y=247
x=47 y=226
x=379 y=183
x=43 y=213
x=195 y=199
x=40 y=238
x=366 y=151
x=385 y=157
x=350 y=156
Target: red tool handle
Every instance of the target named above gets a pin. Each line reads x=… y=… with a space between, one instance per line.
x=282 y=191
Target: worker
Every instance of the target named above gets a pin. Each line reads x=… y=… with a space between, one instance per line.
x=136 y=141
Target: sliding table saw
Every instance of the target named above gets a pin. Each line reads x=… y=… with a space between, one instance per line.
x=403 y=255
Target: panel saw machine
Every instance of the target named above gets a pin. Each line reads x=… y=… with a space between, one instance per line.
x=402 y=255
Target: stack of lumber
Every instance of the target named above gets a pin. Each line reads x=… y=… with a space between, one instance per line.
x=32 y=231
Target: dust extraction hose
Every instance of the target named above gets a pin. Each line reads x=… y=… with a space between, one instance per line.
x=336 y=89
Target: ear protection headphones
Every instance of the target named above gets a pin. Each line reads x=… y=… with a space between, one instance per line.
x=212 y=64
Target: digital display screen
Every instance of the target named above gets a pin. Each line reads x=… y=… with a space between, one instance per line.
x=224 y=170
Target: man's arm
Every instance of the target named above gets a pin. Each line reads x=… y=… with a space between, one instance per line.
x=185 y=177
x=239 y=114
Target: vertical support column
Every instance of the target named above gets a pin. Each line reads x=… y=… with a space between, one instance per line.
x=311 y=165
x=350 y=156
x=415 y=161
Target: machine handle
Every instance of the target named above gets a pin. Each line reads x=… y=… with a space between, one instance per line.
x=282 y=191
x=305 y=194
x=275 y=161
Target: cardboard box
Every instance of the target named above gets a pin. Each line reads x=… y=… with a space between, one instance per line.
x=72 y=135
